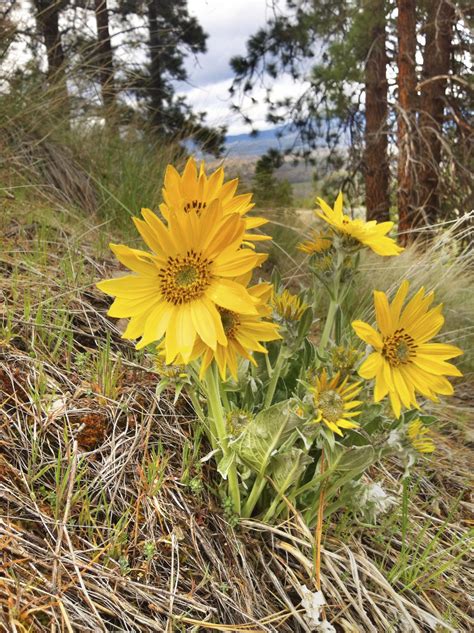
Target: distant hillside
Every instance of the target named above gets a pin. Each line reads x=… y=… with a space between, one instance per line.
x=240 y=145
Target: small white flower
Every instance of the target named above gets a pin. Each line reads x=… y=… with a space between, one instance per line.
x=374 y=501
x=395 y=440
x=312 y=602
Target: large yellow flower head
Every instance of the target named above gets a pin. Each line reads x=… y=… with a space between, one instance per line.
x=403 y=363
x=334 y=402
x=180 y=288
x=371 y=234
x=244 y=333
x=193 y=191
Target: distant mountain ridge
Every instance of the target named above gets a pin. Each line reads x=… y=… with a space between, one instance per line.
x=239 y=145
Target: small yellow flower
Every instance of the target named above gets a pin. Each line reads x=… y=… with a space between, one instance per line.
x=371 y=234
x=419 y=436
x=334 y=402
x=317 y=244
x=289 y=306
x=403 y=363
x=193 y=191
x=180 y=289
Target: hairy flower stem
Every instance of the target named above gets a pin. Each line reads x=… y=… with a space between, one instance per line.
x=217 y=413
x=319 y=531
x=208 y=423
x=334 y=303
x=274 y=378
x=333 y=306
x=254 y=496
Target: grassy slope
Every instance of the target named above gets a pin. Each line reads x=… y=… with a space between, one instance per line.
x=108 y=518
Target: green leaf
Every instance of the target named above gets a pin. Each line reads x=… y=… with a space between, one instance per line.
x=357 y=458
x=264 y=434
x=287 y=468
x=305 y=323
x=225 y=464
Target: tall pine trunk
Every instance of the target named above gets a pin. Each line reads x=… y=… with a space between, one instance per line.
x=436 y=64
x=406 y=116
x=156 y=88
x=376 y=165
x=104 y=56
x=47 y=19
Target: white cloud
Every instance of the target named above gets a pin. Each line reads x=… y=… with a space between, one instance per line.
x=229 y=24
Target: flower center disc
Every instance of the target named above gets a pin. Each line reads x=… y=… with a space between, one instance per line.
x=195 y=205
x=399 y=348
x=230 y=322
x=331 y=405
x=185 y=278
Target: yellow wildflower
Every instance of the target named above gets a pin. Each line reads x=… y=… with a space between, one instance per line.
x=317 y=244
x=419 y=436
x=371 y=234
x=289 y=306
x=334 y=402
x=403 y=362
x=193 y=191
x=179 y=289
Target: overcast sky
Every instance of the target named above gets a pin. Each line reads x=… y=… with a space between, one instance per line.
x=228 y=23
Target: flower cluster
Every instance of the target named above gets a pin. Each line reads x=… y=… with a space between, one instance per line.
x=283 y=397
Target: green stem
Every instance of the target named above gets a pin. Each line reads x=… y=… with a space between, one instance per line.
x=274 y=378
x=196 y=404
x=224 y=397
x=271 y=510
x=254 y=496
x=333 y=306
x=215 y=406
x=207 y=423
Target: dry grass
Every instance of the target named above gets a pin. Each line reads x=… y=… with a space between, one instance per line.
x=109 y=520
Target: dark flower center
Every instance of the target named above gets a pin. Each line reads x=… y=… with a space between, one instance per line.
x=185 y=277
x=399 y=348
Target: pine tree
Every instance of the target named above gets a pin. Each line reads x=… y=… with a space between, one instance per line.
x=172 y=35
x=407 y=147
x=376 y=165
x=345 y=45
x=104 y=58
x=436 y=66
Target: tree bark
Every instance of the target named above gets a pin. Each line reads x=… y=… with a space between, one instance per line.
x=407 y=204
x=157 y=88
x=47 y=18
x=436 y=65
x=377 y=174
x=105 y=59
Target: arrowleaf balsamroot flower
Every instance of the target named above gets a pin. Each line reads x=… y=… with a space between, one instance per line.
x=403 y=362
x=178 y=290
x=244 y=333
x=194 y=191
x=371 y=234
x=289 y=306
x=334 y=402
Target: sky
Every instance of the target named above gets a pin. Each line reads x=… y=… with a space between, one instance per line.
x=229 y=24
